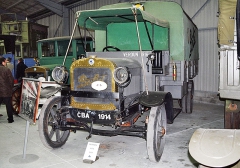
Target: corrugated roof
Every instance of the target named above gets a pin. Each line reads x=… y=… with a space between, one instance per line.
x=32 y=9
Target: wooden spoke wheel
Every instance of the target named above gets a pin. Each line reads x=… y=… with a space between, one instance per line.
x=48 y=125
x=156 y=131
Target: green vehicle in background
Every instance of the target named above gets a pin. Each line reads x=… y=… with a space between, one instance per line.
x=51 y=54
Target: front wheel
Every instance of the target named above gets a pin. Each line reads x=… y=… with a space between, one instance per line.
x=156 y=132
x=50 y=132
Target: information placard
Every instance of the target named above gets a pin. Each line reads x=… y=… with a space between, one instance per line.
x=29 y=99
x=90 y=154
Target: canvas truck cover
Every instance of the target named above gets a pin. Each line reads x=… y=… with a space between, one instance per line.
x=99 y=19
x=120 y=23
x=165 y=14
x=226 y=22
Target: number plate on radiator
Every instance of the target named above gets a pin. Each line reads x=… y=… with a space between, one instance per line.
x=96 y=116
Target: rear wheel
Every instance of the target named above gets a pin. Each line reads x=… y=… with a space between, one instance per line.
x=156 y=131
x=48 y=125
x=16 y=97
x=187 y=100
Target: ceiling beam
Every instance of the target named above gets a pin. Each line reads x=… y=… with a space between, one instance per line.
x=74 y=3
x=31 y=6
x=54 y=7
x=11 y=6
x=61 y=11
x=207 y=1
x=68 y=3
x=40 y=14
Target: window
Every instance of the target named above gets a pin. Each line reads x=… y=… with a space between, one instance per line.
x=48 y=49
x=26 y=53
x=17 y=51
x=62 y=48
x=1 y=50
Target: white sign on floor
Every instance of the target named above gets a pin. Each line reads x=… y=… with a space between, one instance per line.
x=90 y=154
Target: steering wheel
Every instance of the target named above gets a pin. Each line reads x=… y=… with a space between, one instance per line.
x=107 y=47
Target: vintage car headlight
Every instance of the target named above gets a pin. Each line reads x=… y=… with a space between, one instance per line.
x=60 y=74
x=121 y=75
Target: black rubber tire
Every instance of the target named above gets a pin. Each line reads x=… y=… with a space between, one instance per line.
x=184 y=104
x=49 y=132
x=190 y=96
x=187 y=100
x=16 y=98
x=156 y=132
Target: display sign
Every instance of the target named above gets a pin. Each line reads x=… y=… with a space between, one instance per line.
x=29 y=99
x=90 y=154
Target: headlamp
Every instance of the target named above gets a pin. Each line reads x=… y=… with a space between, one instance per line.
x=121 y=75
x=60 y=74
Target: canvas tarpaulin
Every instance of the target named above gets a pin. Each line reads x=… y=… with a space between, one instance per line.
x=99 y=19
x=226 y=22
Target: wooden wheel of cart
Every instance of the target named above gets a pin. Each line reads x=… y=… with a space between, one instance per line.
x=16 y=98
x=48 y=125
x=156 y=131
x=187 y=100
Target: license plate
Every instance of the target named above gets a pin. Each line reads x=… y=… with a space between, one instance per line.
x=96 y=116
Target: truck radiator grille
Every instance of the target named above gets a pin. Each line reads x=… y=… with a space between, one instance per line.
x=83 y=79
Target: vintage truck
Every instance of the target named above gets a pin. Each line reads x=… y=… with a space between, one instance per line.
x=146 y=56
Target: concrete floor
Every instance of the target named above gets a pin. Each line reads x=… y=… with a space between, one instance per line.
x=114 y=152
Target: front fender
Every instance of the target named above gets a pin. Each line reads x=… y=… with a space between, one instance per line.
x=49 y=91
x=157 y=98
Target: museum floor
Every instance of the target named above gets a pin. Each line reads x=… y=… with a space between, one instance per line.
x=114 y=152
